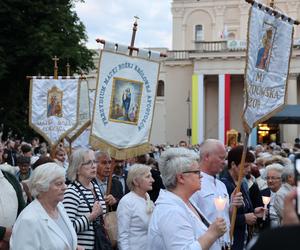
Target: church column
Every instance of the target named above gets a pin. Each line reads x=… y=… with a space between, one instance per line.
x=244 y=13
x=290 y=132
x=197 y=108
x=224 y=106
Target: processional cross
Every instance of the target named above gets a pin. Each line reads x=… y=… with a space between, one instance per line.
x=55 y=59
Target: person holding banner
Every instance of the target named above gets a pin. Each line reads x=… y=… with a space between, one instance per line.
x=103 y=171
x=177 y=223
x=246 y=215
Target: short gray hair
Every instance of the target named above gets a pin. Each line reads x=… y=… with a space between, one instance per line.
x=275 y=166
x=287 y=171
x=42 y=177
x=174 y=161
x=76 y=159
x=209 y=146
x=100 y=153
x=136 y=171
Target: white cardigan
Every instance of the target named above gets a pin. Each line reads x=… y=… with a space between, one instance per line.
x=133 y=221
x=35 y=229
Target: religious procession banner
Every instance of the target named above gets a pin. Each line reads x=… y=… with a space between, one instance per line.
x=124 y=104
x=268 y=58
x=84 y=111
x=53 y=107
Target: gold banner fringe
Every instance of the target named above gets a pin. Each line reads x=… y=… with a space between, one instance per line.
x=117 y=153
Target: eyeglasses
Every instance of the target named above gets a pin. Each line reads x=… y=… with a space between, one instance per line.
x=272 y=178
x=198 y=172
x=89 y=163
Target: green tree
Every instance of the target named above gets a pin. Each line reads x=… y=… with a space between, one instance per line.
x=31 y=33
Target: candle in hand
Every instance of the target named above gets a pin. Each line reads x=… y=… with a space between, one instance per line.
x=266 y=201
x=220 y=203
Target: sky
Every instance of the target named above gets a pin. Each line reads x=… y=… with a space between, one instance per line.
x=113 y=20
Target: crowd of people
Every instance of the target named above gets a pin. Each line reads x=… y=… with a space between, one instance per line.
x=166 y=199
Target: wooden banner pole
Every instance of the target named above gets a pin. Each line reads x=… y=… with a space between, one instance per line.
x=238 y=186
x=134 y=29
x=131 y=46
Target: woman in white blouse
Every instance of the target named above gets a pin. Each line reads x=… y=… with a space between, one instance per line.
x=176 y=223
x=134 y=209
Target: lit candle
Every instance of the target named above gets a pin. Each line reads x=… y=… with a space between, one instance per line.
x=220 y=203
x=266 y=201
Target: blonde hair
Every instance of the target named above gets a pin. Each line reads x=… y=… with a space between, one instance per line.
x=136 y=171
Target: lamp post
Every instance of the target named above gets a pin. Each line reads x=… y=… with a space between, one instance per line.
x=189 y=130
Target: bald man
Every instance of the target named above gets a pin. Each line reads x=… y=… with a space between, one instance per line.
x=212 y=162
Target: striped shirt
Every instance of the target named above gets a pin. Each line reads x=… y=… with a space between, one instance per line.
x=78 y=210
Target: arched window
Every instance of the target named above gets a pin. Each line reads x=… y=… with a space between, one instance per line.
x=160 y=88
x=199 y=33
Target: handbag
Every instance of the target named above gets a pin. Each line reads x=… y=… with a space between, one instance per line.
x=102 y=241
x=111 y=226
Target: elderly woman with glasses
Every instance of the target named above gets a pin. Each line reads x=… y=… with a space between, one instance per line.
x=273 y=174
x=176 y=222
x=83 y=200
x=44 y=223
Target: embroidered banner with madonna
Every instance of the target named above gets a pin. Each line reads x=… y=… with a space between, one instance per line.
x=53 y=108
x=269 y=50
x=124 y=103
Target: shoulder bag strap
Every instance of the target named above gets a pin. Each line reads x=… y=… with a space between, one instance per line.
x=80 y=191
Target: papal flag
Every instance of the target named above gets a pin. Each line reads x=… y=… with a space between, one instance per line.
x=124 y=104
x=268 y=58
x=53 y=110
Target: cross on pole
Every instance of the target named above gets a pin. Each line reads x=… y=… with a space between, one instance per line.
x=68 y=69
x=134 y=29
x=55 y=59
